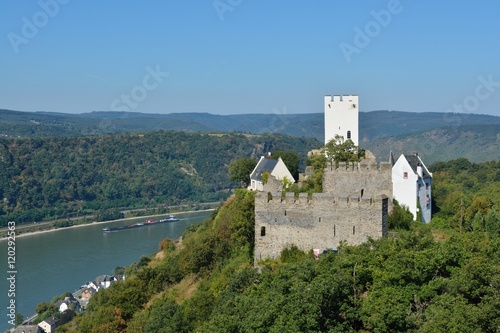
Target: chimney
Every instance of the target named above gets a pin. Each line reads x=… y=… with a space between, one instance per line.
x=420 y=171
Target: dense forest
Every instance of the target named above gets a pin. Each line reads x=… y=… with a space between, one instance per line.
x=46 y=178
x=430 y=278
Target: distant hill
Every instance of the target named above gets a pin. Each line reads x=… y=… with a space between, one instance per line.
x=47 y=178
x=477 y=143
x=381 y=131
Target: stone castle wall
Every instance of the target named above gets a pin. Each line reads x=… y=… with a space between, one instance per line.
x=364 y=179
x=320 y=222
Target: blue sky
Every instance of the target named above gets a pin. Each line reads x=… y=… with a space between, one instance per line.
x=242 y=56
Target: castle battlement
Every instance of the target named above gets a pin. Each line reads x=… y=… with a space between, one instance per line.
x=273 y=200
x=341 y=98
x=320 y=221
x=369 y=165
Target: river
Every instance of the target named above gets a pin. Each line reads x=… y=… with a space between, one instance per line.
x=49 y=264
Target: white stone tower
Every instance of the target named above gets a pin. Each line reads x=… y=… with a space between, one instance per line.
x=341 y=117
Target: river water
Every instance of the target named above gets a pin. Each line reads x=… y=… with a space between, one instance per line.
x=49 y=264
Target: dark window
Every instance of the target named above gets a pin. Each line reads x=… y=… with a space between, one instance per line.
x=348 y=134
x=334 y=230
x=353 y=229
x=320 y=219
x=426 y=186
x=405 y=175
x=262 y=231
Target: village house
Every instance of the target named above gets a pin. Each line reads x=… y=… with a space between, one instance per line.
x=68 y=302
x=85 y=296
x=277 y=172
x=412 y=182
x=104 y=281
x=49 y=325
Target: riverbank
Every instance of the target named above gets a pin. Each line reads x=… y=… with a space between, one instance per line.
x=103 y=222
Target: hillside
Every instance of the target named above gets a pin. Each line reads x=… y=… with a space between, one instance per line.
x=436 y=136
x=421 y=280
x=373 y=125
x=46 y=178
x=477 y=143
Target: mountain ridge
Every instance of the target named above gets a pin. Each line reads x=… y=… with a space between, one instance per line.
x=381 y=130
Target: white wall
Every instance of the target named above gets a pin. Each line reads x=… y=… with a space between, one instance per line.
x=280 y=171
x=342 y=115
x=405 y=190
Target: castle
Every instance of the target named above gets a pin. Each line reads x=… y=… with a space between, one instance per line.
x=352 y=207
x=342 y=117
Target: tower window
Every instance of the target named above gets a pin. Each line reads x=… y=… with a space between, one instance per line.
x=405 y=175
x=262 y=231
x=348 y=134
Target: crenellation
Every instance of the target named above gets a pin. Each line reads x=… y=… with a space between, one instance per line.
x=385 y=166
x=318 y=223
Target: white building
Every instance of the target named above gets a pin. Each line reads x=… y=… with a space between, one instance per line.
x=342 y=117
x=275 y=168
x=411 y=182
x=49 y=325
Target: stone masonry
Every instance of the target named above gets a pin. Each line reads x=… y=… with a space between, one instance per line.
x=320 y=222
x=364 y=179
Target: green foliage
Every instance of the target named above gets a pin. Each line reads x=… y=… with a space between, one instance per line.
x=108 y=214
x=314 y=183
x=465 y=193
x=119 y=270
x=292 y=254
x=167 y=245
x=408 y=283
x=165 y=317
x=19 y=318
x=144 y=261
x=340 y=150
x=400 y=217
x=265 y=177
x=54 y=178
x=240 y=170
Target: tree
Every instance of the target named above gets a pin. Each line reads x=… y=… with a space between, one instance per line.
x=400 y=217
x=19 y=318
x=340 y=150
x=240 y=170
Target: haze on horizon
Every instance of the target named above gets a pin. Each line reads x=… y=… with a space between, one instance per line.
x=237 y=56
